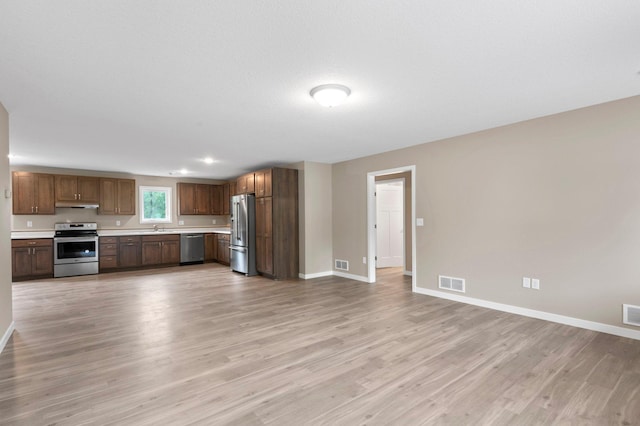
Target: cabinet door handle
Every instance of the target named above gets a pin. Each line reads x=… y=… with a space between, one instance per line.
x=75 y=196
x=79 y=196
x=36 y=209
x=32 y=242
x=31 y=209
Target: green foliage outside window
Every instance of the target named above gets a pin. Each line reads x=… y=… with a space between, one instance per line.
x=155 y=204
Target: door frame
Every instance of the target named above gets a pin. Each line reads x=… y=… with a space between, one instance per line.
x=371 y=222
x=404 y=225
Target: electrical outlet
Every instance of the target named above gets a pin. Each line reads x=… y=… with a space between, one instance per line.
x=29 y=224
x=213 y=221
x=364 y=260
x=420 y=221
x=526 y=282
x=181 y=222
x=535 y=283
x=117 y=223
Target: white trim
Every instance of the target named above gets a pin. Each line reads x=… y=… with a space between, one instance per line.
x=315 y=275
x=532 y=313
x=408 y=273
x=7 y=335
x=371 y=219
x=351 y=276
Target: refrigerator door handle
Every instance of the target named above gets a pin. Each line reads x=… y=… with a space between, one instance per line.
x=238 y=235
x=240 y=249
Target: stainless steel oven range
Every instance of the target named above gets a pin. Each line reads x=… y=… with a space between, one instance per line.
x=75 y=249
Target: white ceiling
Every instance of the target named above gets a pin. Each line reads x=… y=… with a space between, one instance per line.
x=150 y=87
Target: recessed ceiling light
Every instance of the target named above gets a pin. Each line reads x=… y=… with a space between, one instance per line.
x=208 y=160
x=330 y=95
x=11 y=156
x=178 y=172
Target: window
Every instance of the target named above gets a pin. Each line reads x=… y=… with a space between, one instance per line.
x=155 y=204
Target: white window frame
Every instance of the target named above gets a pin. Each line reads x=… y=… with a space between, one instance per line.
x=142 y=189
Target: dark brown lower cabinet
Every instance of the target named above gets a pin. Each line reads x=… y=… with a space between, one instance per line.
x=108 y=253
x=210 y=247
x=223 y=249
x=160 y=250
x=32 y=259
x=129 y=252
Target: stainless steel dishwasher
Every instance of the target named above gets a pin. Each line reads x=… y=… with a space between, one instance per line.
x=191 y=248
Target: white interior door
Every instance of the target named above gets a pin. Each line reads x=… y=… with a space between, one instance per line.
x=390 y=224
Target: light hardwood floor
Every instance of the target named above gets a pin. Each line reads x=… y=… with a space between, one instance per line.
x=201 y=345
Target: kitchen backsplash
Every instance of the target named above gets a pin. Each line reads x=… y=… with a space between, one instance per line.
x=46 y=222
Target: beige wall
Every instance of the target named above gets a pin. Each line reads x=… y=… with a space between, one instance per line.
x=407 y=213
x=556 y=198
x=315 y=216
x=318 y=218
x=5 y=234
x=45 y=222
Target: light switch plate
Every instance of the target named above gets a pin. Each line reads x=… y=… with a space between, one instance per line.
x=535 y=284
x=7 y=193
x=526 y=282
x=181 y=222
x=420 y=221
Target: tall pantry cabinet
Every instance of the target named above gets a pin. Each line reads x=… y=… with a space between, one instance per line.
x=276 y=192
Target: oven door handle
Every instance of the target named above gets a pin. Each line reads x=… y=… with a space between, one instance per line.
x=74 y=239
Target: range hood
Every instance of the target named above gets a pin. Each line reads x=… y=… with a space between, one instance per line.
x=76 y=205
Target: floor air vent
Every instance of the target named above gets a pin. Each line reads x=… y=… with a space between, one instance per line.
x=631 y=315
x=451 y=283
x=342 y=265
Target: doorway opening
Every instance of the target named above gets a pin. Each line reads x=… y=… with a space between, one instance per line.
x=391 y=230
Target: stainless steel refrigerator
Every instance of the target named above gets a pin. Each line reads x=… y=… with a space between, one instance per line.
x=243 y=234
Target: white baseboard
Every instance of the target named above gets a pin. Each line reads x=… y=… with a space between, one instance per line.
x=351 y=276
x=7 y=335
x=408 y=273
x=316 y=275
x=532 y=313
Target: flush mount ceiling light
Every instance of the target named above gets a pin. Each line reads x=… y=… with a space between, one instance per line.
x=208 y=160
x=330 y=95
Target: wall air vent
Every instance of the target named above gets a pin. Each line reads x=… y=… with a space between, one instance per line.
x=342 y=265
x=451 y=283
x=631 y=315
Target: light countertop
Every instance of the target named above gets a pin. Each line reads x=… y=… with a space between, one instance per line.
x=21 y=235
